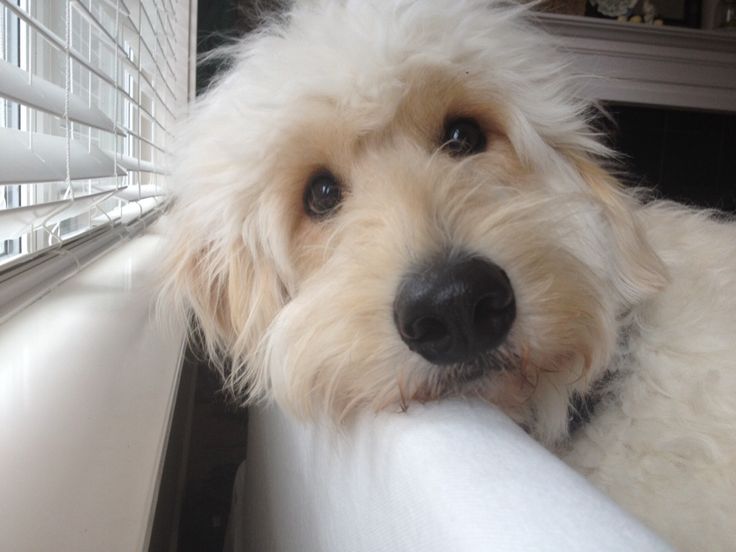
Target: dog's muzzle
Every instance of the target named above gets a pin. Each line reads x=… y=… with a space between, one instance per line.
x=453 y=311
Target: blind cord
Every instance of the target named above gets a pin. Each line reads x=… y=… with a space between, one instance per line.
x=67 y=94
x=117 y=90
x=54 y=233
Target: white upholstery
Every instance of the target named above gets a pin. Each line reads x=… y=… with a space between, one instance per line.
x=450 y=476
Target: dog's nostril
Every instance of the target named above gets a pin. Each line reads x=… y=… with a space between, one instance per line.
x=484 y=309
x=489 y=305
x=426 y=328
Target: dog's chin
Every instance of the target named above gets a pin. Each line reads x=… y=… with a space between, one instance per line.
x=469 y=375
x=480 y=368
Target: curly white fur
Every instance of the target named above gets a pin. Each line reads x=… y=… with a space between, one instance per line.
x=300 y=310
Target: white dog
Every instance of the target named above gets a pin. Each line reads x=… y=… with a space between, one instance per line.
x=399 y=200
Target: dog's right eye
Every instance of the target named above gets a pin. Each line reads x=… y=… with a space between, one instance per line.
x=323 y=195
x=463 y=137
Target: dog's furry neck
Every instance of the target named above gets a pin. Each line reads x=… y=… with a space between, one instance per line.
x=583 y=406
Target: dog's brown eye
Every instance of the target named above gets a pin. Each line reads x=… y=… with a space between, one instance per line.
x=323 y=195
x=463 y=137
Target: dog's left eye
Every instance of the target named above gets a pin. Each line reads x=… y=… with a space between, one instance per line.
x=463 y=137
x=323 y=195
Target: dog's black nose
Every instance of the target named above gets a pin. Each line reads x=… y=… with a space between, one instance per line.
x=452 y=311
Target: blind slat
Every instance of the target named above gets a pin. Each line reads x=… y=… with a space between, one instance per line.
x=114 y=4
x=35 y=157
x=136 y=193
x=132 y=164
x=16 y=85
x=131 y=211
x=146 y=140
x=16 y=221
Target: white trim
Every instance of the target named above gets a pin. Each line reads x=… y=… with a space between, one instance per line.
x=192 y=80
x=667 y=66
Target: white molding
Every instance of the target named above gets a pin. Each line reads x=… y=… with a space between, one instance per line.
x=643 y=64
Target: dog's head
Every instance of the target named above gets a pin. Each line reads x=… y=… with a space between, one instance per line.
x=392 y=201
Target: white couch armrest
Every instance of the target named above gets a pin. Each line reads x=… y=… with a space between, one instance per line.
x=454 y=476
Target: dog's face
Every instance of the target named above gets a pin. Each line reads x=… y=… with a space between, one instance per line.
x=395 y=202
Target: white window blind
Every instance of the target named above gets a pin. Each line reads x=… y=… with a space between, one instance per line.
x=89 y=92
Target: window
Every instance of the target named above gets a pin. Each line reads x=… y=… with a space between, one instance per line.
x=89 y=91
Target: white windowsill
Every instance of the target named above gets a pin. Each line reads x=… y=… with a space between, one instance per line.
x=88 y=382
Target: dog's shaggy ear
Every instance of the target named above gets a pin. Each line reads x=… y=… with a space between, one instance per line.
x=233 y=294
x=638 y=272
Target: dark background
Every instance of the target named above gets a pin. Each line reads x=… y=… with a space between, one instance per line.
x=220 y=22
x=688 y=156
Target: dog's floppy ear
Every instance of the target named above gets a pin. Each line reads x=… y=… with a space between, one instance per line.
x=234 y=294
x=638 y=270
